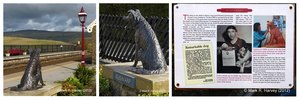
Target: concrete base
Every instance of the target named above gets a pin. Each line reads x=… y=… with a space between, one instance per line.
x=48 y=90
x=125 y=82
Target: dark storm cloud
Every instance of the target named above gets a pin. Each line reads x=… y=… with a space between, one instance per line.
x=51 y=17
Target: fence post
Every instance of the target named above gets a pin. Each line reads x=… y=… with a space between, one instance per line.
x=41 y=49
x=47 y=48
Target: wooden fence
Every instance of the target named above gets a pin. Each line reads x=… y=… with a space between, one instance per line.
x=117 y=37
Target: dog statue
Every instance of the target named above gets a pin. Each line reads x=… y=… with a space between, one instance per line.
x=33 y=74
x=147 y=48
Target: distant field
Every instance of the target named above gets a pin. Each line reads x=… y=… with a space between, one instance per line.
x=67 y=37
x=27 y=41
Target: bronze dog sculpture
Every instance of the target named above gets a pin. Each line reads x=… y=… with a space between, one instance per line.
x=147 y=48
x=33 y=74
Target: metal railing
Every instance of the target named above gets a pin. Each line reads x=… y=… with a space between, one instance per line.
x=117 y=37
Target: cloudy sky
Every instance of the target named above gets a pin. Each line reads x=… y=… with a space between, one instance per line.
x=50 y=17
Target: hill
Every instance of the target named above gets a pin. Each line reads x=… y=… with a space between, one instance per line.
x=27 y=41
x=68 y=37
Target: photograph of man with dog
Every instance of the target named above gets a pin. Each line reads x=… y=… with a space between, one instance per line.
x=234 y=49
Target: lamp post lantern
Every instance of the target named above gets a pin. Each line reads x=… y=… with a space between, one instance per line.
x=82 y=17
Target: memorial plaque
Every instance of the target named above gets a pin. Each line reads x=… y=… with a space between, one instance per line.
x=124 y=79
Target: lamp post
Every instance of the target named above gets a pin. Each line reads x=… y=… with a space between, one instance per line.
x=82 y=17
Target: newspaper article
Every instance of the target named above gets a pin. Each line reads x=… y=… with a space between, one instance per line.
x=234 y=45
x=198 y=63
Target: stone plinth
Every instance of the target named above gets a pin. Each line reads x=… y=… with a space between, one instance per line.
x=125 y=82
x=48 y=90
